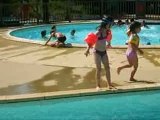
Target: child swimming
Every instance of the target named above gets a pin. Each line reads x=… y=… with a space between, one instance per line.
x=73 y=32
x=43 y=33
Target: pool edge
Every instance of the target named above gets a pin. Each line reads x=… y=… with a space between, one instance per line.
x=17 y=39
x=76 y=93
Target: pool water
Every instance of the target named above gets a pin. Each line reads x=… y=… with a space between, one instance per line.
x=123 y=106
x=119 y=33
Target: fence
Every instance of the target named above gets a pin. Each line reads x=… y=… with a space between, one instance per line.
x=60 y=10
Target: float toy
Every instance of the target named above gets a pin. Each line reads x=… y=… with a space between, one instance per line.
x=109 y=36
x=91 y=38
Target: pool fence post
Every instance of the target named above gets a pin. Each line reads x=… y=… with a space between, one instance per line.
x=101 y=8
x=68 y=11
x=1 y=20
x=36 y=10
x=45 y=11
x=140 y=9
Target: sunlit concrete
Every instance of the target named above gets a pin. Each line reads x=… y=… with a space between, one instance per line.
x=30 y=68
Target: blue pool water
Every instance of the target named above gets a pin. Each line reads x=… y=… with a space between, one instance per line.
x=124 y=106
x=151 y=35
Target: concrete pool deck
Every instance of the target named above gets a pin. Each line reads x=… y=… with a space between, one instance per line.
x=36 y=71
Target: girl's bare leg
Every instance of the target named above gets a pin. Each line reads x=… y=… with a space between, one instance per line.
x=122 y=67
x=105 y=62
x=130 y=61
x=97 y=59
x=135 y=66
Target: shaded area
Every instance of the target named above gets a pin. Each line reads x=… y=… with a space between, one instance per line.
x=64 y=80
x=60 y=80
x=152 y=57
x=141 y=81
x=68 y=51
x=22 y=49
x=24 y=53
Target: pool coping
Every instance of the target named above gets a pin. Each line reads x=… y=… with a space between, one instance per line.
x=10 y=37
x=76 y=93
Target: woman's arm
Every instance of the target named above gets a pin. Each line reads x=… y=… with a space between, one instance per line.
x=135 y=47
x=90 y=46
x=87 y=51
x=48 y=40
x=109 y=44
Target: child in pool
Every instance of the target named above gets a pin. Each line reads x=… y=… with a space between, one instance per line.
x=43 y=34
x=53 y=29
x=143 y=24
x=100 y=54
x=120 y=22
x=73 y=32
x=132 y=49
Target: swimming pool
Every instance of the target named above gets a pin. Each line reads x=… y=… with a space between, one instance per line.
x=119 y=33
x=123 y=106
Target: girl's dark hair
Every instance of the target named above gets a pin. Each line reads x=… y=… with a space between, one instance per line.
x=132 y=20
x=102 y=25
x=126 y=20
x=52 y=31
x=43 y=33
x=134 y=25
x=73 y=30
x=53 y=27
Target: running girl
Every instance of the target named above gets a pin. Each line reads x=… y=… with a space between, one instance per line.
x=131 y=53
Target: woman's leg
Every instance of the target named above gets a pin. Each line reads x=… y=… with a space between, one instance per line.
x=105 y=62
x=122 y=67
x=135 y=66
x=60 y=44
x=130 y=56
x=97 y=59
x=133 y=61
x=54 y=44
